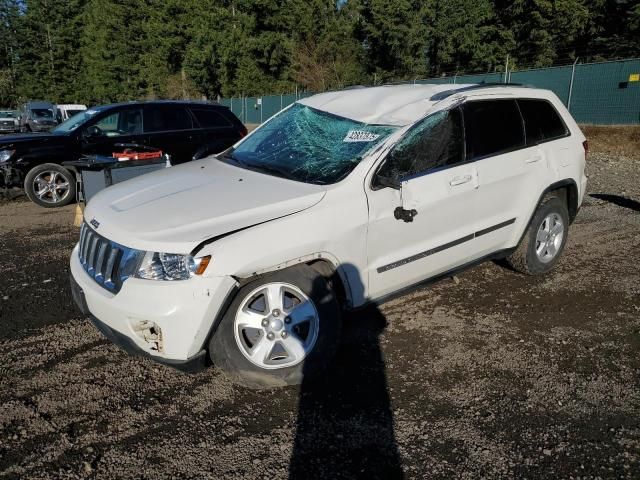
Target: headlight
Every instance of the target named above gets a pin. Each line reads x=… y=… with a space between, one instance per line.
x=171 y=266
x=6 y=155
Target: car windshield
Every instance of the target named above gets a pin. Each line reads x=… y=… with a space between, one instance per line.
x=308 y=145
x=42 y=113
x=74 y=122
x=8 y=114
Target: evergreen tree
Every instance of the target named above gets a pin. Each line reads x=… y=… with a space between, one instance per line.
x=97 y=51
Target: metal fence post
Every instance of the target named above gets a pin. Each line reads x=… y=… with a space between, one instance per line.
x=506 y=69
x=573 y=73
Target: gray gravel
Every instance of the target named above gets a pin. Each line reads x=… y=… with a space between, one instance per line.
x=494 y=375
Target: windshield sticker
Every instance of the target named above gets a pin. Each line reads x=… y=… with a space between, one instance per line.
x=360 y=136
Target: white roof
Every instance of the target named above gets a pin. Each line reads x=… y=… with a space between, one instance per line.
x=385 y=105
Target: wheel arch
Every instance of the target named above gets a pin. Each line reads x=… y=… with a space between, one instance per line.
x=324 y=263
x=567 y=190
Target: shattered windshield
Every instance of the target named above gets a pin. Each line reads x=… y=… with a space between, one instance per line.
x=308 y=145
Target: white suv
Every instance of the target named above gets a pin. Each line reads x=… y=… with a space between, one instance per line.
x=344 y=198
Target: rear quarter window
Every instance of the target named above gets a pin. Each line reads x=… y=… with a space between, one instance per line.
x=541 y=120
x=210 y=118
x=492 y=127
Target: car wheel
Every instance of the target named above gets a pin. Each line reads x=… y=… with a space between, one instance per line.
x=50 y=185
x=543 y=243
x=279 y=329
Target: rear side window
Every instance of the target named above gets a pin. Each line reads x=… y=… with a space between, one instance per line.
x=541 y=121
x=492 y=127
x=209 y=118
x=163 y=118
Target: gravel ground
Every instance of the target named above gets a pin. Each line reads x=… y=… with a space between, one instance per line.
x=492 y=375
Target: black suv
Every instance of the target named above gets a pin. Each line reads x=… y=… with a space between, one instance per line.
x=184 y=130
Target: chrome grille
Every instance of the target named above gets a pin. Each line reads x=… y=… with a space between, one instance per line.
x=109 y=263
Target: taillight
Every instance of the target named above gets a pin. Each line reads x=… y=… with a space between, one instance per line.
x=585 y=145
x=243 y=131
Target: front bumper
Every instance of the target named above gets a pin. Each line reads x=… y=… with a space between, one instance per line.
x=184 y=311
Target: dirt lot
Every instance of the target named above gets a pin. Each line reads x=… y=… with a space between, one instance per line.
x=496 y=375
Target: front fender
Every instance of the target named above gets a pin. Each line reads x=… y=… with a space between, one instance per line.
x=333 y=230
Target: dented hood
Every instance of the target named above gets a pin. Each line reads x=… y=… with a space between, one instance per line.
x=176 y=209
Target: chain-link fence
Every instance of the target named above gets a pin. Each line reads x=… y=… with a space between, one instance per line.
x=595 y=93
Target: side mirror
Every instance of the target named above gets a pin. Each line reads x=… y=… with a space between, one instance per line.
x=93 y=132
x=387 y=182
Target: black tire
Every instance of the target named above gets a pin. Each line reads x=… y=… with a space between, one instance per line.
x=226 y=354
x=525 y=259
x=48 y=200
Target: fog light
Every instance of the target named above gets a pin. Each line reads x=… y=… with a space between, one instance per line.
x=149 y=332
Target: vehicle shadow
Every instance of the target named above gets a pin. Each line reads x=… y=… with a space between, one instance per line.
x=618 y=200
x=345 y=422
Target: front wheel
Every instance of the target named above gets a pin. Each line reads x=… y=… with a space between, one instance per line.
x=50 y=185
x=544 y=240
x=279 y=329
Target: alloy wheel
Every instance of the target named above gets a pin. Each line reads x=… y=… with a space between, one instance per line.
x=549 y=237
x=276 y=326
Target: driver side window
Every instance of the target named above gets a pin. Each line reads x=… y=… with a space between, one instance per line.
x=123 y=122
x=435 y=142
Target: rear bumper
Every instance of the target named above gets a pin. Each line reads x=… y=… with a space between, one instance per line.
x=190 y=365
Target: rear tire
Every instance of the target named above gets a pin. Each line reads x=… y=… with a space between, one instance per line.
x=280 y=329
x=50 y=185
x=545 y=238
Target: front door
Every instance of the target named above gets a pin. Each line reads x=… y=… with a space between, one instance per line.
x=426 y=227
x=121 y=126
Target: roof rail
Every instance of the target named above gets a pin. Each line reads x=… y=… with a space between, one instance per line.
x=447 y=93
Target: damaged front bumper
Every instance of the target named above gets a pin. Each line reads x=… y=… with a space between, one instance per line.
x=10 y=176
x=168 y=322
x=192 y=364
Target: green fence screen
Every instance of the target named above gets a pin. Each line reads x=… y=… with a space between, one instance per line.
x=596 y=93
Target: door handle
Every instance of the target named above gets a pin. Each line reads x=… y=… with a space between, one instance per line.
x=534 y=158
x=460 y=180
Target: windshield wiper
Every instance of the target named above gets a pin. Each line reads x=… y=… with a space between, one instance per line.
x=270 y=170
x=262 y=168
x=236 y=160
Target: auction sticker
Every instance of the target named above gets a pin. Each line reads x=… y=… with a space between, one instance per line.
x=360 y=136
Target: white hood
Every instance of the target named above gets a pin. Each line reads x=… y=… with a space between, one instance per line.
x=175 y=209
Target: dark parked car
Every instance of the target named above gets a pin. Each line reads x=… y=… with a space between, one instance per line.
x=37 y=117
x=183 y=130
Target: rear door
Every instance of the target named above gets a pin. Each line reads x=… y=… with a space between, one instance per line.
x=510 y=174
x=218 y=129
x=169 y=127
